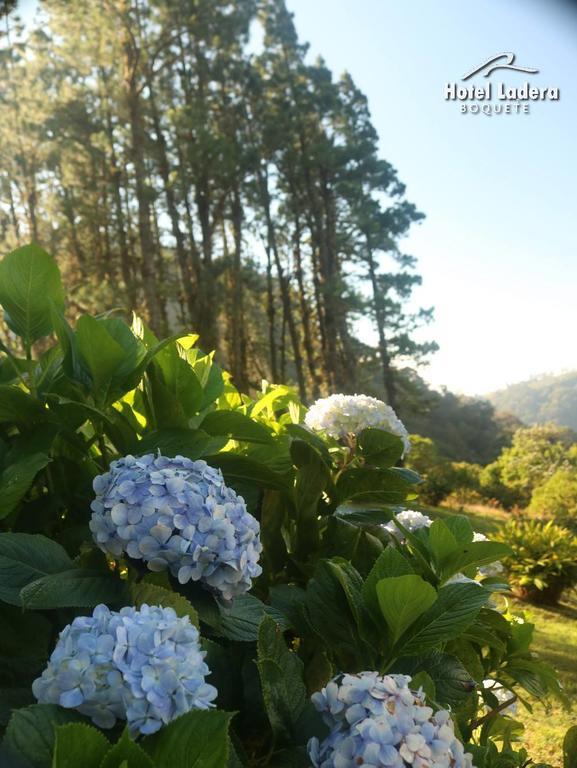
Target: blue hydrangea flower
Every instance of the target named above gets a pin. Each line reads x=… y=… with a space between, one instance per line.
x=143 y=665
x=178 y=514
x=378 y=721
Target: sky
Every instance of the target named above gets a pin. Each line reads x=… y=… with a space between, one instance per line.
x=498 y=248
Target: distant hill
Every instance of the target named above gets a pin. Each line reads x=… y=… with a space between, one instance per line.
x=541 y=399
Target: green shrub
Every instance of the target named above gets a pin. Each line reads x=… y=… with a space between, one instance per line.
x=556 y=499
x=543 y=561
x=337 y=593
x=534 y=455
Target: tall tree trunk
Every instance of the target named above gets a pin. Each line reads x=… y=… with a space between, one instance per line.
x=380 y=317
x=304 y=303
x=172 y=210
x=284 y=285
x=238 y=332
x=115 y=175
x=138 y=139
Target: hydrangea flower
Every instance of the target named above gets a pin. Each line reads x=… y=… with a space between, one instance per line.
x=502 y=695
x=340 y=415
x=141 y=665
x=409 y=519
x=178 y=514
x=493 y=569
x=378 y=721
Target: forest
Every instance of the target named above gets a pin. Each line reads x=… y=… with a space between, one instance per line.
x=189 y=160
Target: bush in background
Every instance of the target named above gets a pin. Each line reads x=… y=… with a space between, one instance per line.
x=543 y=562
x=556 y=499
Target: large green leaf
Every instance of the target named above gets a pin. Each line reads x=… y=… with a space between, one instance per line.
x=75 y=588
x=281 y=676
x=198 y=739
x=151 y=594
x=102 y=353
x=402 y=599
x=380 y=448
x=237 y=426
x=78 y=744
x=30 y=734
x=312 y=478
x=126 y=753
x=455 y=609
x=242 y=469
x=16 y=479
x=241 y=620
x=25 y=558
x=452 y=682
x=389 y=563
x=18 y=407
x=192 y=443
x=176 y=391
x=29 y=283
x=332 y=613
x=376 y=485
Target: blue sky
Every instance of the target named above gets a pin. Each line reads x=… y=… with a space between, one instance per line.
x=497 y=251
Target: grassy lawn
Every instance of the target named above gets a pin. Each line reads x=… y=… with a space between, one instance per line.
x=555 y=641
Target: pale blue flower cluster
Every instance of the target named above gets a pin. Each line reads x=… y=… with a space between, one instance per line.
x=378 y=721
x=178 y=514
x=143 y=665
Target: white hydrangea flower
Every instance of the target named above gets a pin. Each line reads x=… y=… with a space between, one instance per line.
x=409 y=519
x=502 y=695
x=340 y=415
x=493 y=569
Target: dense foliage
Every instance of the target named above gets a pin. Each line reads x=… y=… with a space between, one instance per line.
x=541 y=400
x=556 y=498
x=339 y=593
x=543 y=560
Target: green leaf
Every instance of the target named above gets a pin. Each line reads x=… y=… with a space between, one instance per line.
x=570 y=748
x=127 y=753
x=461 y=528
x=455 y=609
x=402 y=599
x=281 y=676
x=424 y=681
x=369 y=484
x=365 y=516
x=16 y=480
x=75 y=588
x=192 y=443
x=333 y=615
x=102 y=353
x=389 y=563
x=176 y=391
x=452 y=683
x=380 y=448
x=26 y=557
x=29 y=282
x=78 y=744
x=151 y=594
x=442 y=543
x=236 y=426
x=242 y=469
x=198 y=739
x=30 y=734
x=476 y=554
x=17 y=406
x=312 y=478
x=241 y=620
